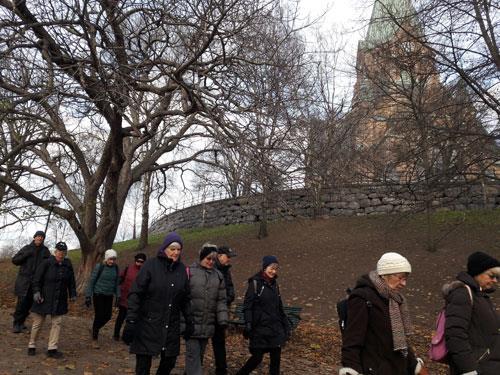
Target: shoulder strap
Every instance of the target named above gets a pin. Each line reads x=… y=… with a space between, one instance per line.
x=258 y=293
x=188 y=272
x=470 y=294
x=99 y=272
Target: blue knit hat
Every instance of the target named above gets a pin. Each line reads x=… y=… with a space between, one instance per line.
x=268 y=260
x=171 y=237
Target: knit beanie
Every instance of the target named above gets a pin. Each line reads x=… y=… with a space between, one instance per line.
x=170 y=239
x=39 y=233
x=479 y=262
x=268 y=260
x=390 y=263
x=110 y=253
x=141 y=256
x=206 y=250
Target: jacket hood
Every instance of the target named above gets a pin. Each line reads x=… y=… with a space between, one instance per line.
x=363 y=282
x=461 y=280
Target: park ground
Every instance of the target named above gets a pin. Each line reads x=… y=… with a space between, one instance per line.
x=319 y=259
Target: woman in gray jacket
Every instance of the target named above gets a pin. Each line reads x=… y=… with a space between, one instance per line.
x=208 y=306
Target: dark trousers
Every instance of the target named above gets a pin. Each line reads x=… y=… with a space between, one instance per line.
x=143 y=364
x=256 y=359
x=103 y=309
x=122 y=314
x=219 y=346
x=23 y=307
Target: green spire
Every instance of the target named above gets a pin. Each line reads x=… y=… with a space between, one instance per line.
x=386 y=15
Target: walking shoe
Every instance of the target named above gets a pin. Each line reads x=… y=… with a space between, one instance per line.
x=54 y=353
x=17 y=328
x=31 y=351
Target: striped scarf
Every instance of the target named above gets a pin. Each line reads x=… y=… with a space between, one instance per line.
x=398 y=313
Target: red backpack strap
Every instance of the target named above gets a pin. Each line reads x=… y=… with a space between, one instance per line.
x=188 y=272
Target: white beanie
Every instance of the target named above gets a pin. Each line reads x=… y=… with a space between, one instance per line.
x=110 y=253
x=390 y=263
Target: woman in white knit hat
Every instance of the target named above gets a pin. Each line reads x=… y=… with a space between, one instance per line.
x=375 y=340
x=104 y=284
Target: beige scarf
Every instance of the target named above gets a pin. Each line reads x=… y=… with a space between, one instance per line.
x=398 y=313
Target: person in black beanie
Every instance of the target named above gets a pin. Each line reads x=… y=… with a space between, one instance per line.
x=472 y=322
x=222 y=264
x=28 y=259
x=263 y=299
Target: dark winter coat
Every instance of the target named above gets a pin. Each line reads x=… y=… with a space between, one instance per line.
x=158 y=295
x=127 y=277
x=104 y=280
x=55 y=281
x=228 y=281
x=208 y=300
x=263 y=309
x=472 y=329
x=28 y=258
x=367 y=344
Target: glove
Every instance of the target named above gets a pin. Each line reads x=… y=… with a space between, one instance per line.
x=129 y=332
x=37 y=297
x=188 y=332
x=348 y=371
x=247 y=330
x=420 y=368
x=88 y=301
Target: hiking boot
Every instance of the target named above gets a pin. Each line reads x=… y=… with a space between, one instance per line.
x=54 y=353
x=16 y=328
x=31 y=351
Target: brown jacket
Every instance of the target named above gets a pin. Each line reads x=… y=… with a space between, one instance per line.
x=367 y=345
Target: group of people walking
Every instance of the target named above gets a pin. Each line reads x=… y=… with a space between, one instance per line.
x=376 y=336
x=161 y=300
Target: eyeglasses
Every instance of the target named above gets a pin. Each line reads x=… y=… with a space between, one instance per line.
x=139 y=261
x=493 y=276
x=210 y=259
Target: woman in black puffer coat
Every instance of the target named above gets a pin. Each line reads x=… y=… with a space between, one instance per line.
x=472 y=328
x=159 y=294
x=53 y=283
x=266 y=324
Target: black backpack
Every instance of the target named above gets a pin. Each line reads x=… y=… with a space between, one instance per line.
x=342 y=310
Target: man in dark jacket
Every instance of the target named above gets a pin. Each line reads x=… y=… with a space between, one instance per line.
x=28 y=259
x=158 y=295
x=53 y=283
x=222 y=264
x=472 y=328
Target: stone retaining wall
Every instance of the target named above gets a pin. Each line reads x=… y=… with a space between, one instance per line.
x=347 y=201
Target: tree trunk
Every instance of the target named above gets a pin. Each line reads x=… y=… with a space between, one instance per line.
x=143 y=241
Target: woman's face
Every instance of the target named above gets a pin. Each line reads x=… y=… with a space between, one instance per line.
x=173 y=251
x=271 y=271
x=59 y=254
x=110 y=261
x=396 y=281
x=487 y=279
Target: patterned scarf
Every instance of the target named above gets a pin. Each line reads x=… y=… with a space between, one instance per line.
x=398 y=313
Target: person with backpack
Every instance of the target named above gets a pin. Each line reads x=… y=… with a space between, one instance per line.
x=375 y=338
x=266 y=324
x=223 y=264
x=472 y=325
x=28 y=259
x=103 y=286
x=158 y=296
x=208 y=305
x=127 y=277
x=53 y=284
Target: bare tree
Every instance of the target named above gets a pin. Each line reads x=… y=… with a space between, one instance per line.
x=90 y=84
